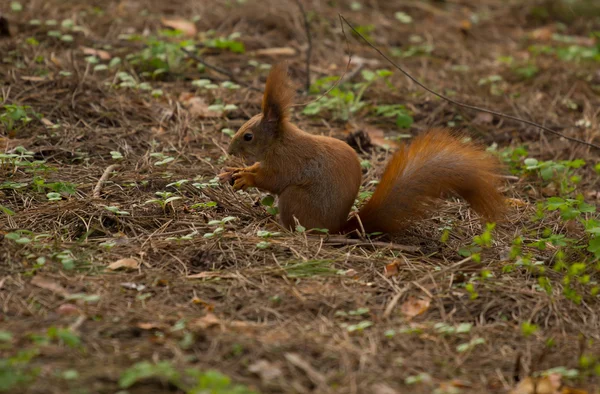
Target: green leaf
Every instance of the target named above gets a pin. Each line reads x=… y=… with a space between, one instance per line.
x=403 y=17
x=594 y=246
x=531 y=163
x=5 y=336
x=268 y=201
x=404 y=120
x=263 y=245
x=144 y=370
x=368 y=75
x=15 y=6
x=6 y=210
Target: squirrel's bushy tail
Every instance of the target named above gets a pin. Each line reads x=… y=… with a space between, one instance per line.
x=434 y=164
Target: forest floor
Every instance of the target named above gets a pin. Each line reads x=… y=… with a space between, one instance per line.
x=153 y=278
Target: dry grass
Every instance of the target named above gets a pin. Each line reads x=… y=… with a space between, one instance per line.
x=280 y=304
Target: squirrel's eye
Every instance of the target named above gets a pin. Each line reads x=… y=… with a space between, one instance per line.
x=248 y=137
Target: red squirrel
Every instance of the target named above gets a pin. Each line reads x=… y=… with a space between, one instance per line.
x=317 y=178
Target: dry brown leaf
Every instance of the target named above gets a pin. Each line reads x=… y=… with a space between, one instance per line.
x=209 y=320
x=46 y=122
x=186 y=27
x=284 y=51
x=49 y=284
x=351 y=273
x=100 y=53
x=33 y=78
x=483 y=118
x=210 y=274
x=150 y=326
x=129 y=263
x=377 y=137
x=451 y=386
x=392 y=268
x=266 y=370
x=414 y=307
x=198 y=107
x=67 y=310
x=465 y=25
x=515 y=202
x=543 y=33
x=207 y=305
x=56 y=61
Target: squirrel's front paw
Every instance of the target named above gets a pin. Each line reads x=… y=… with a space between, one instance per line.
x=226 y=177
x=243 y=180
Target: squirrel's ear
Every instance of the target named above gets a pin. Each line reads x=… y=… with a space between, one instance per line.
x=278 y=95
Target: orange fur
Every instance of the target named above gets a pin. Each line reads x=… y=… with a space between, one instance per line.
x=278 y=94
x=317 y=178
x=434 y=164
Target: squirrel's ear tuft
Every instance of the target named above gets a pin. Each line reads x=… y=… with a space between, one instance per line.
x=278 y=95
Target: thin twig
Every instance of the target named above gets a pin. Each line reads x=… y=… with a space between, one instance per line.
x=309 y=41
x=392 y=304
x=500 y=114
x=340 y=79
x=219 y=70
x=358 y=242
x=103 y=178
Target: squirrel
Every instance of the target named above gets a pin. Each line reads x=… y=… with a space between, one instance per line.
x=317 y=178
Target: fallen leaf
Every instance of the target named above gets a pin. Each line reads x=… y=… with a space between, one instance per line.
x=543 y=33
x=67 y=310
x=414 y=307
x=129 y=263
x=210 y=274
x=266 y=370
x=49 y=284
x=351 y=273
x=284 y=51
x=100 y=53
x=33 y=78
x=157 y=130
x=133 y=286
x=483 y=118
x=186 y=27
x=205 y=304
x=198 y=107
x=150 y=326
x=515 y=202
x=377 y=137
x=209 y=320
x=465 y=25
x=46 y=122
x=392 y=268
x=56 y=61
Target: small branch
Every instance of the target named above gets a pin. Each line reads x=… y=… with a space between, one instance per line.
x=103 y=178
x=358 y=242
x=394 y=301
x=219 y=70
x=340 y=79
x=500 y=114
x=309 y=41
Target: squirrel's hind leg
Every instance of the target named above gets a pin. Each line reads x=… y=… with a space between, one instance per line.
x=298 y=203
